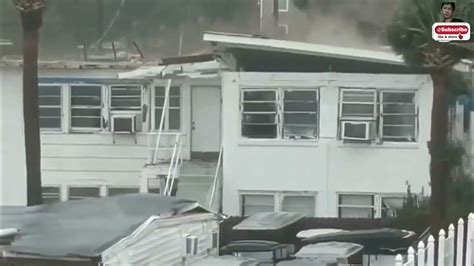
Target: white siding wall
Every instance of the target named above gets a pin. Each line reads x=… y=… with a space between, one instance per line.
x=77 y=159
x=163 y=242
x=326 y=166
x=13 y=171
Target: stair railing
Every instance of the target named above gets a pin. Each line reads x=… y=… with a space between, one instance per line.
x=216 y=176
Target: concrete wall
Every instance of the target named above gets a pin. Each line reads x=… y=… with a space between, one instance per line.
x=98 y=159
x=13 y=165
x=326 y=166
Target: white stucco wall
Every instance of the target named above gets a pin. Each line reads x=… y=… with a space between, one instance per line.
x=326 y=166
x=13 y=168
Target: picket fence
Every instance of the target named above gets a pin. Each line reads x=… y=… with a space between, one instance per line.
x=453 y=250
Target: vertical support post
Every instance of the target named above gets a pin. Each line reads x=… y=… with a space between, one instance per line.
x=411 y=256
x=399 y=260
x=450 y=242
x=470 y=239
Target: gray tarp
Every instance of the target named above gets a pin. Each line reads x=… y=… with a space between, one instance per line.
x=85 y=228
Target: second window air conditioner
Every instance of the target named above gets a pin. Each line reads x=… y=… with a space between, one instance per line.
x=123 y=123
x=356 y=130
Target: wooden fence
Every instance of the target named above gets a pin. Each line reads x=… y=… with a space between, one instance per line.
x=454 y=249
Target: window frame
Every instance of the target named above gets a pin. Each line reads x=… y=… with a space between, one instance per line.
x=377 y=199
x=376 y=130
x=121 y=187
x=111 y=86
x=154 y=126
x=256 y=193
x=101 y=107
x=83 y=186
x=61 y=106
x=286 y=8
x=294 y=194
x=373 y=206
x=280 y=110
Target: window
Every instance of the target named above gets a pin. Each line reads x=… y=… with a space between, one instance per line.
x=191 y=245
x=86 y=103
x=252 y=204
x=51 y=194
x=77 y=193
x=399 y=115
x=283 y=5
x=114 y=191
x=279 y=113
x=172 y=119
x=125 y=97
x=356 y=206
x=391 y=205
x=368 y=114
x=50 y=107
x=301 y=204
x=215 y=239
x=278 y=201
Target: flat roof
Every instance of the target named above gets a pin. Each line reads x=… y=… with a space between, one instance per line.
x=257 y=42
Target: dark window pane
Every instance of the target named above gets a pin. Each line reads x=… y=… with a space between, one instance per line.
x=298 y=119
x=49 y=101
x=364 y=110
x=260 y=107
x=50 y=194
x=85 y=122
x=358 y=96
x=174 y=119
x=259 y=131
x=399 y=120
x=399 y=109
x=158 y=113
x=173 y=102
x=160 y=91
x=121 y=191
x=50 y=112
x=50 y=122
x=126 y=91
x=259 y=118
x=86 y=91
x=174 y=91
x=83 y=192
x=398 y=97
x=123 y=125
x=300 y=95
x=259 y=96
x=301 y=204
x=300 y=131
x=405 y=133
x=126 y=103
x=49 y=90
x=300 y=106
x=86 y=101
x=85 y=112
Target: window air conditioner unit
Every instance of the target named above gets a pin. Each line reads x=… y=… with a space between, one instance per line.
x=356 y=130
x=123 y=123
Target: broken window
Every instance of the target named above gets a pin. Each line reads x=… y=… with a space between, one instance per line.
x=86 y=104
x=51 y=194
x=279 y=113
x=50 y=107
x=254 y=203
x=367 y=114
x=356 y=206
x=77 y=193
x=300 y=111
x=398 y=116
x=126 y=97
x=301 y=204
x=172 y=119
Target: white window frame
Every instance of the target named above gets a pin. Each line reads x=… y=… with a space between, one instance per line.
x=280 y=110
x=111 y=86
x=278 y=197
x=83 y=186
x=416 y=115
x=377 y=199
x=154 y=126
x=71 y=107
x=121 y=187
x=194 y=250
x=61 y=106
x=377 y=116
x=286 y=8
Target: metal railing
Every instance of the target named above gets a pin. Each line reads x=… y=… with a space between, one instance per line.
x=216 y=178
x=176 y=160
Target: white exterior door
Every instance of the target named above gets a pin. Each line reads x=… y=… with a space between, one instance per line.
x=206 y=114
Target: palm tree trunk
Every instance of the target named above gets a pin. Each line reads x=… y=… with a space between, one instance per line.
x=439 y=168
x=31 y=22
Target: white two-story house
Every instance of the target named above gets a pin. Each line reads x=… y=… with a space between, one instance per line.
x=322 y=130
